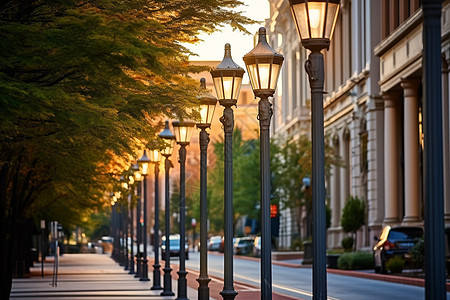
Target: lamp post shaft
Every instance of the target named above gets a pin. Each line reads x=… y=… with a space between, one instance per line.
x=167 y=276
x=156 y=266
x=125 y=236
x=433 y=154
x=122 y=235
x=132 y=237
x=182 y=282
x=264 y=115
x=138 y=233
x=203 y=279
x=315 y=69
x=228 y=292
x=144 y=270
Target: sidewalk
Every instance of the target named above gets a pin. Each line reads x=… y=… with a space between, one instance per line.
x=87 y=276
x=97 y=276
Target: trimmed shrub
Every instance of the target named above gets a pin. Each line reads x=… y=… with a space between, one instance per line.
x=395 y=264
x=418 y=253
x=355 y=261
x=347 y=243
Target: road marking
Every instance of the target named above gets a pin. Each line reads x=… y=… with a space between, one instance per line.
x=279 y=286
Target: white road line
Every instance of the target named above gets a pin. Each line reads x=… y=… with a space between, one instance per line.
x=279 y=286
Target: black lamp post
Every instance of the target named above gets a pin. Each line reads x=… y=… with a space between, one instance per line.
x=206 y=110
x=138 y=179
x=144 y=162
x=315 y=21
x=433 y=154
x=227 y=78
x=155 y=157
x=169 y=139
x=263 y=66
x=183 y=132
x=131 y=181
x=124 y=182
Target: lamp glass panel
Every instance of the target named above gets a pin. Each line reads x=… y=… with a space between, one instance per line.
x=275 y=74
x=333 y=9
x=253 y=74
x=317 y=18
x=264 y=74
x=203 y=110
x=183 y=133
x=228 y=87
x=212 y=109
x=155 y=155
x=237 y=87
x=144 y=168
x=301 y=17
x=168 y=149
x=137 y=176
x=218 y=87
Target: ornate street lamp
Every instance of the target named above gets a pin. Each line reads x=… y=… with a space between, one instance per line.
x=138 y=178
x=183 y=132
x=206 y=109
x=227 y=78
x=315 y=21
x=155 y=157
x=169 y=139
x=263 y=66
x=144 y=163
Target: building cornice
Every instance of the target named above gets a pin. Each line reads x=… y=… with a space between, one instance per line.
x=398 y=34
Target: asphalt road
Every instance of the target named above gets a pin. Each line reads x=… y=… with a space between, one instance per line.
x=297 y=282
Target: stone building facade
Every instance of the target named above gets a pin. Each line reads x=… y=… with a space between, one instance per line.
x=372 y=110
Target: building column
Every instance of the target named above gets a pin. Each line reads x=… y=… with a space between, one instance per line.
x=390 y=159
x=446 y=132
x=411 y=150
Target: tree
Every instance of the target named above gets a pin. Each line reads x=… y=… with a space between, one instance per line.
x=291 y=161
x=246 y=181
x=353 y=216
x=83 y=84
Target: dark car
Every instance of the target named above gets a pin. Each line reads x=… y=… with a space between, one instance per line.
x=214 y=243
x=174 y=246
x=394 y=241
x=243 y=245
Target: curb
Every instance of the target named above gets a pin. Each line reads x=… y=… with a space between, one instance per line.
x=381 y=277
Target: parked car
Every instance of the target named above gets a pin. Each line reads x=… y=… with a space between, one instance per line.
x=222 y=244
x=257 y=247
x=214 y=243
x=174 y=246
x=394 y=241
x=243 y=245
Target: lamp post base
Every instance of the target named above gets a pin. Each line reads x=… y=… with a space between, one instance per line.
x=156 y=278
x=203 y=289
x=144 y=271
x=167 y=283
x=182 y=285
x=228 y=294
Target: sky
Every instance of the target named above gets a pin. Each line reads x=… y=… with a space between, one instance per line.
x=213 y=46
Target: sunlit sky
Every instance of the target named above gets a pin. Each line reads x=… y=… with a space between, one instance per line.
x=213 y=46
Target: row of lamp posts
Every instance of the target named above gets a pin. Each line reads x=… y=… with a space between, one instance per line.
x=315 y=21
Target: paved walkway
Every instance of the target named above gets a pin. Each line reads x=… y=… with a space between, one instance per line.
x=97 y=276
x=87 y=276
